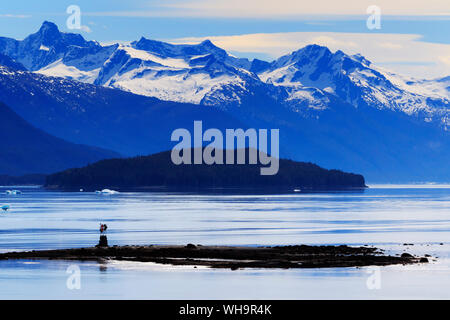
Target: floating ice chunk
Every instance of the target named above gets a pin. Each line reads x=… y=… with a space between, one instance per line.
x=107 y=192
x=13 y=192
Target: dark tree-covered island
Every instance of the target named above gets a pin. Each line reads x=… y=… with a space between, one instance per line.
x=159 y=172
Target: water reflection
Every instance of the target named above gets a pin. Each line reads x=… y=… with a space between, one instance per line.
x=42 y=219
x=384 y=217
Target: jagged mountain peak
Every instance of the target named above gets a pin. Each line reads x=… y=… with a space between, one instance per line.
x=321 y=56
x=312 y=66
x=43 y=47
x=208 y=44
x=312 y=49
x=48 y=35
x=48 y=27
x=165 y=49
x=149 y=44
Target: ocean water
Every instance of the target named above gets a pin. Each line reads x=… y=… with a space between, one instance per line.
x=384 y=216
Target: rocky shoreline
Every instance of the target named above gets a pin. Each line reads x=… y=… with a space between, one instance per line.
x=301 y=256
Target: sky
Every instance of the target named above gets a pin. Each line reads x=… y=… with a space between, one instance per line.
x=413 y=38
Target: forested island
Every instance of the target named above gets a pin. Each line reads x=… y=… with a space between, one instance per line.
x=158 y=171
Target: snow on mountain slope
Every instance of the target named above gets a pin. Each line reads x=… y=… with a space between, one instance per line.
x=59 y=69
x=305 y=80
x=175 y=87
x=354 y=80
x=177 y=78
x=183 y=73
x=438 y=88
x=168 y=62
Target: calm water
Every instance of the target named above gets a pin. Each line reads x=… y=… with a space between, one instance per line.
x=383 y=216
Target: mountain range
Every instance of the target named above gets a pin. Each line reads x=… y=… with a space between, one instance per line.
x=337 y=110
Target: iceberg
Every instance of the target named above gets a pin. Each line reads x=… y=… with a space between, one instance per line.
x=107 y=192
x=13 y=192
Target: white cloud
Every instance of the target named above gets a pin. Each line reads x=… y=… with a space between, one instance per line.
x=16 y=16
x=390 y=45
x=286 y=8
x=402 y=53
x=319 y=9
x=445 y=59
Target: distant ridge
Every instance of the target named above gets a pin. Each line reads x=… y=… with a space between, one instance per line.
x=27 y=150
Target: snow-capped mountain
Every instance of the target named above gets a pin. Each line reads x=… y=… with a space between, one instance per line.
x=183 y=73
x=333 y=109
x=305 y=80
x=354 y=80
x=49 y=47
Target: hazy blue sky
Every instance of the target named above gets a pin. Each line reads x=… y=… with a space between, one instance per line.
x=413 y=39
